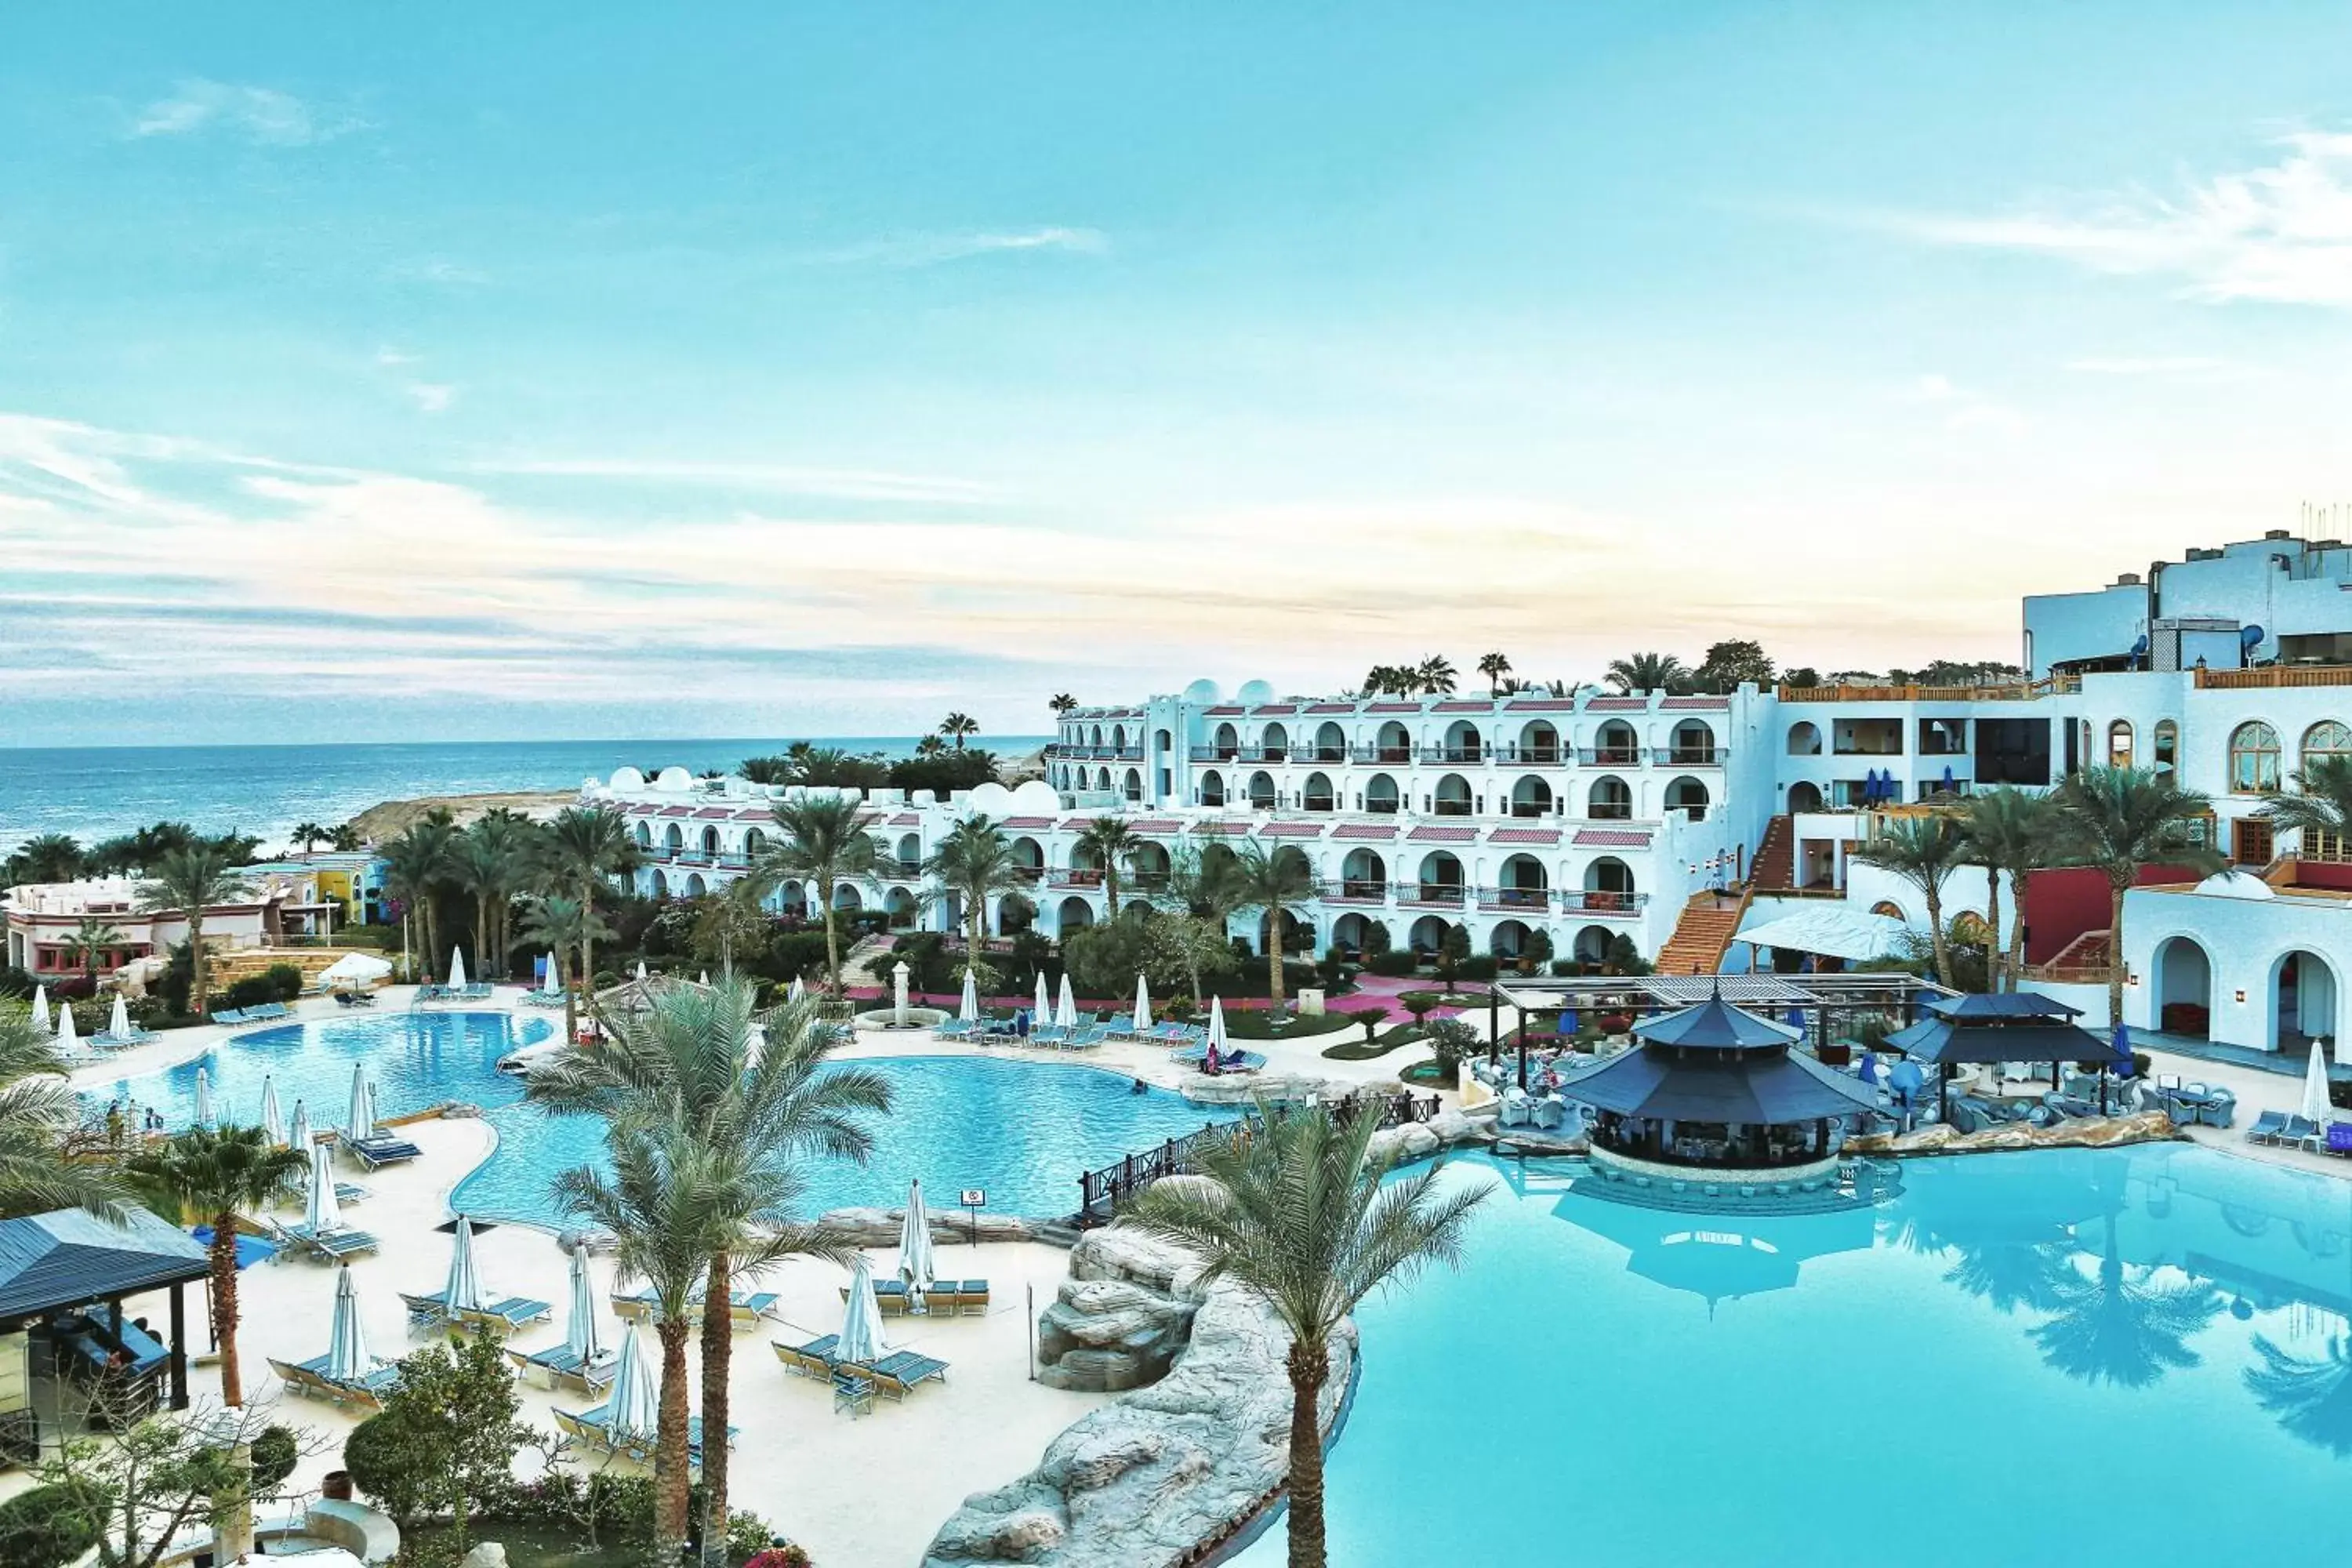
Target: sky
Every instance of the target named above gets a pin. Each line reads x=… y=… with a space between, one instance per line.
x=542 y=371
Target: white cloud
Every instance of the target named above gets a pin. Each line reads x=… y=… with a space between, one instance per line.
x=2281 y=233
x=930 y=249
x=849 y=484
x=260 y=114
x=431 y=397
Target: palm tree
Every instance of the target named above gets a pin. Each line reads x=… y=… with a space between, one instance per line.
x=2119 y=819
x=1494 y=667
x=823 y=842
x=763 y=770
x=1434 y=675
x=973 y=863
x=2010 y=833
x=1111 y=843
x=2321 y=803
x=1647 y=672
x=1296 y=1215
x=689 y=1059
x=567 y=926
x=214 y=1175
x=92 y=937
x=1923 y=851
x=586 y=847
x=308 y=834
x=930 y=746
x=1203 y=886
x=1277 y=883
x=2311 y=1396
x=417 y=864
x=666 y=1203
x=957 y=726
x=1063 y=704
x=191 y=880
x=48 y=858
x=37 y=1109
x=486 y=861
x=2119 y=1325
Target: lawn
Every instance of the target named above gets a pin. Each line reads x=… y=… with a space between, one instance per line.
x=1381 y=1045
x=1252 y=1024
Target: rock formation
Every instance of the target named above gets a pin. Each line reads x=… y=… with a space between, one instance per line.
x=2079 y=1133
x=879 y=1228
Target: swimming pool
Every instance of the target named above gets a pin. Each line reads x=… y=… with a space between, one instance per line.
x=2077 y=1357
x=1020 y=1131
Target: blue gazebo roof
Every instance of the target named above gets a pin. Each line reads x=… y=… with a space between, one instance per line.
x=1715 y=1025
x=1996 y=1005
x=69 y=1259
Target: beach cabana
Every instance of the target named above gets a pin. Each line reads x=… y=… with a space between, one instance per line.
x=64 y=1276
x=2016 y=1026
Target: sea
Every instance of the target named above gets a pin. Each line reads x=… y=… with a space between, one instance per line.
x=92 y=792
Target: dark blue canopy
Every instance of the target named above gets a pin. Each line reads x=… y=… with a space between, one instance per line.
x=1770 y=1087
x=1995 y=1004
x=1715 y=1025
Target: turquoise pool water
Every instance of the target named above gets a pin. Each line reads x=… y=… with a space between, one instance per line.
x=1022 y=1132
x=2078 y=1358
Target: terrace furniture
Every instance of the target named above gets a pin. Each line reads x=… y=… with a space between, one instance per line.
x=309 y=1379
x=970 y=1297
x=814 y=1359
x=897 y=1373
x=481 y=991
x=564 y=1369
x=2267 y=1127
x=953 y=1029
x=2220 y=1109
x=228 y=1015
x=383 y=1149
x=335 y=1245
x=853 y=1393
x=592 y=1430
x=2339 y=1138
x=2303 y=1132
x=499 y=1316
x=889 y=1295
x=745 y=1308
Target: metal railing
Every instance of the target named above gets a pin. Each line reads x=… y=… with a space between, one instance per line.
x=1101 y=1192
x=1691 y=756
x=1609 y=756
x=1602 y=901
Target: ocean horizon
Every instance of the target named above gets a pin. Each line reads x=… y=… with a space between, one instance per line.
x=94 y=791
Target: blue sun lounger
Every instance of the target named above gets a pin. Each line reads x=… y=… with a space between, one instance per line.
x=383 y=1149
x=333 y=1246
x=899 y=1372
x=564 y=1369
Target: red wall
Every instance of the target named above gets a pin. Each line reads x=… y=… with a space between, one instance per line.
x=2064 y=901
x=2323 y=873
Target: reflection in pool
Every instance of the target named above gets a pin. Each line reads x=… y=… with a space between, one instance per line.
x=2056 y=1357
x=1020 y=1132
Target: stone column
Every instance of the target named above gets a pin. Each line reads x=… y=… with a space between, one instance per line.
x=899 y=980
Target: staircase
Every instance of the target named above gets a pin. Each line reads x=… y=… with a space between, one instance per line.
x=1702 y=935
x=2083 y=961
x=1774 y=869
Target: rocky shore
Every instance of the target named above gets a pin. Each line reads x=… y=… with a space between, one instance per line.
x=390 y=818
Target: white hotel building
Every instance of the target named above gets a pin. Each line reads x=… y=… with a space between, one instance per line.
x=1589 y=817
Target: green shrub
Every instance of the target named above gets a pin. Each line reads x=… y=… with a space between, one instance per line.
x=1395 y=965
x=389 y=1466
x=49 y=1526
x=275 y=1454
x=1568 y=968
x=1481 y=967
x=1450 y=1040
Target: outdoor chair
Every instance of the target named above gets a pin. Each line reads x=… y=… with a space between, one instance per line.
x=814 y=1359
x=899 y=1372
x=853 y=1393
x=2267 y=1127
x=382 y=1150
x=504 y=1317
x=564 y=1369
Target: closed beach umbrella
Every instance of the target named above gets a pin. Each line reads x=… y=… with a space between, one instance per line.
x=2122 y=1043
x=2315 y=1107
x=914 y=1248
x=359 y=1122
x=462 y=1293
x=1065 y=1014
x=633 y=1408
x=861 y=1324
x=706 y=979
x=1044 y=1008
x=325 y=1211
x=347 y=1351
x=1906 y=1080
x=1142 y=1019
x=641 y=972
x=1869 y=1071
x=1216 y=1023
x=298 y=1131
x=456 y=966
x=970 y=1012
x=118 y=1025
x=580 y=1336
x=798 y=990
x=205 y=1099
x=273 y=1126
x=67 y=1038
x=41 y=1009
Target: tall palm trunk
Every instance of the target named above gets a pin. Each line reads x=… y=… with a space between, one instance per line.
x=1935 y=925
x=670 y=1455
x=223 y=1268
x=1110 y=887
x=1992 y=928
x=1310 y=1368
x=2016 y=927
x=1274 y=963
x=717 y=1354
x=2116 y=950
x=198 y=970
x=587 y=948
x=570 y=1003
x=832 y=940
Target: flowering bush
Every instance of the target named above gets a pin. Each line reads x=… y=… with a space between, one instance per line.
x=779 y=1557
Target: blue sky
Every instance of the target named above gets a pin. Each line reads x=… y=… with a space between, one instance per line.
x=757 y=369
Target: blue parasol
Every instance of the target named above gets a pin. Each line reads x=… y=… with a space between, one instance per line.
x=1869 y=1066
x=1948 y=781
x=1905 y=1079
x=2122 y=1042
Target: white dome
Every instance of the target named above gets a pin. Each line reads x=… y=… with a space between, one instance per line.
x=991 y=800
x=627 y=778
x=1035 y=798
x=674 y=778
x=1204 y=692
x=2236 y=885
x=1254 y=692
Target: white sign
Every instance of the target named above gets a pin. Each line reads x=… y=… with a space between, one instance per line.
x=975 y=1197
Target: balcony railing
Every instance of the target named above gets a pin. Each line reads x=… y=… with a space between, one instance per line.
x=1609 y=756
x=1514 y=897
x=1446 y=894
x=1551 y=756
x=1602 y=902
x=1390 y=756
x=1361 y=891
x=1691 y=756
x=1467 y=756
x=1096 y=754
x=1450 y=808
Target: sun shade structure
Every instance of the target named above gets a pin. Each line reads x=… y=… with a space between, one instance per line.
x=915 y=1264
x=1716 y=1085
x=273 y=1125
x=355 y=969
x=348 y=1360
x=1853 y=935
x=68 y=1260
x=582 y=1336
x=861 y=1318
x=2023 y=1026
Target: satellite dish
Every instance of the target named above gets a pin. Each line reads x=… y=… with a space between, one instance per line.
x=2250 y=638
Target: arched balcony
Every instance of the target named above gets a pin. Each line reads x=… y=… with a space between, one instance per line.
x=1609 y=885
x=1363 y=875
x=1692 y=745
x=1616 y=746
x=1318 y=795
x=1440 y=878
x=1540 y=742
x=1611 y=800
x=1381 y=795
x=1212 y=788
x=1531 y=797
x=1453 y=797
x=1260 y=790
x=1463 y=743
x=1687 y=795
x=1331 y=743
x=1274 y=744
x=1522 y=884
x=1393 y=744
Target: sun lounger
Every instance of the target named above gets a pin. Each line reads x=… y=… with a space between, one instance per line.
x=748 y=1311
x=968 y=1296
x=588 y=1428
x=853 y=1393
x=890 y=1295
x=228 y=1015
x=425 y=1310
x=814 y=1359
x=309 y=1379
x=504 y=1317
x=564 y=1369
x=897 y=1373
x=953 y=1029
x=2267 y=1127
x=481 y=991
x=332 y=1246
x=635 y=1307
x=379 y=1151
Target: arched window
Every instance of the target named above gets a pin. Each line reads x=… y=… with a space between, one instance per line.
x=755 y=843
x=1452 y=795
x=1381 y=795
x=1687 y=795
x=2119 y=744
x=1530 y=796
x=1318 y=791
x=1363 y=875
x=645 y=836
x=1694 y=743
x=1892 y=910
x=2165 y=743
x=1441 y=877
x=1331 y=743
x=1212 y=788
x=1463 y=742
x=1226 y=742
x=1619 y=747
x=1260 y=790
x=1118 y=737
x=1538 y=743
x=1162 y=741
x=1097 y=736
x=1804 y=740
x=2324 y=741
x=2255 y=759
x=1394 y=744
x=1612 y=800
x=1134 y=785
x=1608 y=884
x=1275 y=745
